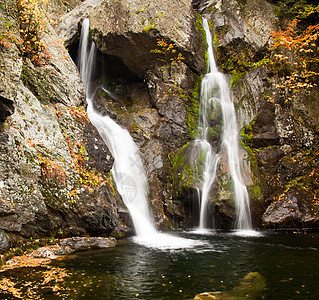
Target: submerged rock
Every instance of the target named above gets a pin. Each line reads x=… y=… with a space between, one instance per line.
x=250 y=287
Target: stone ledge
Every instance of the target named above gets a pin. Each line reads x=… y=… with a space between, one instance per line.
x=44 y=255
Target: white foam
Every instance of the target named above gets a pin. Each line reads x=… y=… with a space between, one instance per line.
x=247 y=233
x=164 y=241
x=203 y=231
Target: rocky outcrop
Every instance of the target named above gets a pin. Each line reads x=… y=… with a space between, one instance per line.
x=51 y=179
x=295 y=208
x=54 y=167
x=130 y=29
x=249 y=21
x=240 y=33
x=69 y=245
x=152 y=85
x=279 y=135
x=54 y=177
x=44 y=255
x=68 y=27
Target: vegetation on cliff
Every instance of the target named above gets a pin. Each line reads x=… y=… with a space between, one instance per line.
x=294 y=48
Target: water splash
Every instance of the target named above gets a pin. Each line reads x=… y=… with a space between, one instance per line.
x=215 y=94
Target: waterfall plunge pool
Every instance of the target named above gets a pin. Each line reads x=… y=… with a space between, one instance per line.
x=289 y=262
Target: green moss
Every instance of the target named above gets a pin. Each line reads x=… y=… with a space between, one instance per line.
x=185 y=168
x=181 y=174
x=247 y=133
x=238 y=63
x=192 y=108
x=254 y=192
x=200 y=29
x=37 y=81
x=148 y=28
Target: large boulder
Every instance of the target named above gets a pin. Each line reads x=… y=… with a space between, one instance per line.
x=50 y=179
x=295 y=208
x=249 y=22
x=68 y=26
x=130 y=30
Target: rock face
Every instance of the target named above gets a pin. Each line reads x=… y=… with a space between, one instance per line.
x=51 y=178
x=129 y=29
x=241 y=29
x=150 y=84
x=295 y=208
x=68 y=27
x=54 y=167
x=279 y=136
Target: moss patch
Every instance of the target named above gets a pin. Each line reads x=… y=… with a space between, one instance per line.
x=36 y=80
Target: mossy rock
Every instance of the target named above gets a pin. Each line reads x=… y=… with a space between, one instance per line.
x=250 y=288
x=37 y=81
x=188 y=161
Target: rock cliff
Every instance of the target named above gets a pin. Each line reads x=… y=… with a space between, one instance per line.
x=279 y=134
x=52 y=180
x=55 y=169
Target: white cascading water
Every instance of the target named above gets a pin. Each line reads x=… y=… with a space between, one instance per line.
x=127 y=171
x=215 y=93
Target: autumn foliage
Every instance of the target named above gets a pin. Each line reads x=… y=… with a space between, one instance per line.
x=32 y=24
x=167 y=51
x=296 y=54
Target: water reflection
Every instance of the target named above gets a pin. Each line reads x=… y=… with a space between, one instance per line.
x=289 y=263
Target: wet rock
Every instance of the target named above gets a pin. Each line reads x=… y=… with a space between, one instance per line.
x=69 y=245
x=264 y=129
x=166 y=98
x=250 y=287
x=68 y=27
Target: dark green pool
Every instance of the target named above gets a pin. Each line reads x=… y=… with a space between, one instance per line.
x=288 y=261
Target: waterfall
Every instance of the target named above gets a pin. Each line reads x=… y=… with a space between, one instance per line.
x=215 y=94
x=127 y=171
